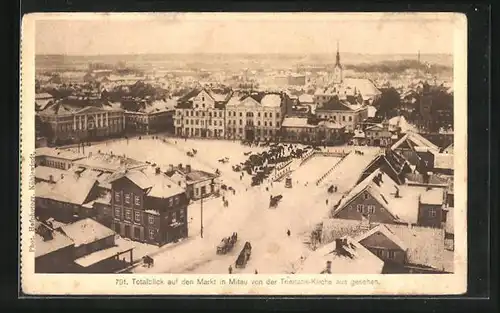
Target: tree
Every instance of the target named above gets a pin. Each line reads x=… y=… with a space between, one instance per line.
x=389 y=102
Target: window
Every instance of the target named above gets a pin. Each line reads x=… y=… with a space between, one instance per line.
x=174 y=217
x=258 y=114
x=117 y=196
x=170 y=201
x=241 y=114
x=265 y=123
x=265 y=114
x=432 y=212
x=151 y=220
x=137 y=200
x=277 y=124
x=371 y=209
x=220 y=123
x=177 y=200
x=343 y=118
x=391 y=254
x=350 y=118
x=202 y=98
x=181 y=215
x=128 y=215
x=241 y=122
x=137 y=232
x=365 y=195
x=277 y=115
x=359 y=208
x=152 y=234
x=127 y=198
x=137 y=216
x=270 y=123
x=118 y=212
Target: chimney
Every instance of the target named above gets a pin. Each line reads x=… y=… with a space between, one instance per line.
x=51 y=178
x=329 y=267
x=180 y=166
x=188 y=168
x=338 y=244
x=376 y=180
x=170 y=168
x=380 y=177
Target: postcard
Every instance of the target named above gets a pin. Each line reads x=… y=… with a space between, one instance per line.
x=243 y=153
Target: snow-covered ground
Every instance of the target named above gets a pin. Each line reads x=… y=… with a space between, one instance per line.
x=313 y=169
x=248 y=213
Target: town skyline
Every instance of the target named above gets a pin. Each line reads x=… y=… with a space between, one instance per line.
x=259 y=33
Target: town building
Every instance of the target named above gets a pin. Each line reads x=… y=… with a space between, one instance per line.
x=402 y=248
x=152 y=118
x=42 y=100
x=345 y=112
x=256 y=116
x=84 y=246
x=56 y=158
x=308 y=130
x=147 y=206
x=73 y=124
x=197 y=183
x=379 y=199
x=201 y=113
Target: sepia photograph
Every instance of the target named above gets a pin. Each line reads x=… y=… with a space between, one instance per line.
x=297 y=146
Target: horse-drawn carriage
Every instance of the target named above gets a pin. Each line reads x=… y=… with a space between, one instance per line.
x=227 y=244
x=244 y=256
x=148 y=261
x=273 y=201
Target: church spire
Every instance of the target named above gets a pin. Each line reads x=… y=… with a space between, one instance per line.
x=337 y=60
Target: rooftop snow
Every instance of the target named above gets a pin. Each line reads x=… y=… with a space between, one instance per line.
x=296 y=122
x=271 y=100
x=101 y=255
x=443 y=161
x=306 y=98
x=362 y=262
x=69 y=189
x=43 y=95
x=58 y=153
x=86 y=231
x=44 y=173
x=44 y=247
x=365 y=86
x=434 y=196
x=417 y=139
x=109 y=162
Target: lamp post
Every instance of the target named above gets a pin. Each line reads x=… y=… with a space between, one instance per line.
x=201 y=209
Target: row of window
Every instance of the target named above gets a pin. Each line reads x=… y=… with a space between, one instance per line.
x=198 y=122
x=265 y=132
x=251 y=114
x=385 y=254
x=151 y=218
x=200 y=113
x=335 y=117
x=365 y=209
x=55 y=164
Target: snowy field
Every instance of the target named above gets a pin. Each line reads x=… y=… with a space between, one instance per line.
x=248 y=213
x=313 y=169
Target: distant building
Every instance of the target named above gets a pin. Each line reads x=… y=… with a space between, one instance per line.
x=197 y=183
x=73 y=124
x=201 y=113
x=155 y=117
x=256 y=116
x=303 y=129
x=349 y=114
x=147 y=206
x=56 y=158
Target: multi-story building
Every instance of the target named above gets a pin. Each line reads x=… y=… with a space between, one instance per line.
x=148 y=207
x=256 y=116
x=302 y=129
x=201 y=113
x=70 y=123
x=343 y=112
x=155 y=117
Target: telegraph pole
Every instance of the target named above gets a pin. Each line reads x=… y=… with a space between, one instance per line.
x=201 y=219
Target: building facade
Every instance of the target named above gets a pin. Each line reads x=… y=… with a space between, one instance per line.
x=70 y=124
x=145 y=209
x=201 y=113
x=257 y=116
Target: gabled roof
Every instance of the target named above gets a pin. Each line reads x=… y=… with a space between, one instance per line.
x=86 y=231
x=376 y=127
x=417 y=140
x=384 y=231
x=70 y=189
x=57 y=241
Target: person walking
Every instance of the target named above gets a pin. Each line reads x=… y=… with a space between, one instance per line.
x=256 y=272
x=230 y=269
x=326 y=201
x=288 y=232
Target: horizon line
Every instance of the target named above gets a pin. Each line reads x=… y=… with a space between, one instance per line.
x=235 y=53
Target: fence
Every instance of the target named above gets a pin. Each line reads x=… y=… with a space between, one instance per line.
x=330 y=170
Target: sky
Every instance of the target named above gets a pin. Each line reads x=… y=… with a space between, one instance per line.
x=261 y=33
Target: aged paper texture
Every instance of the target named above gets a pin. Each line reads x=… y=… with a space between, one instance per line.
x=243 y=153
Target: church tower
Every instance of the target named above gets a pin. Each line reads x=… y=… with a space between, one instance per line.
x=337 y=70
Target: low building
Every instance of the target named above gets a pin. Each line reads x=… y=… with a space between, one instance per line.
x=379 y=199
x=54 y=252
x=307 y=130
x=379 y=135
x=56 y=158
x=42 y=100
x=348 y=113
x=147 y=206
x=402 y=248
x=155 y=117
x=67 y=123
x=343 y=256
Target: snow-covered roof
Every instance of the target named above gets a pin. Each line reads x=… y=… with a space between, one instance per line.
x=59 y=153
x=57 y=242
x=371 y=110
x=403 y=208
x=296 y=122
x=361 y=261
x=417 y=139
x=101 y=255
x=359 y=134
x=400 y=122
x=271 y=100
x=443 y=161
x=109 y=162
x=365 y=86
x=434 y=196
x=43 y=95
x=86 y=231
x=306 y=98
x=69 y=189
x=381 y=228
x=45 y=173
